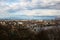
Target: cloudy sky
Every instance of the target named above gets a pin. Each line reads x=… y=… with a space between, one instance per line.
x=9 y=8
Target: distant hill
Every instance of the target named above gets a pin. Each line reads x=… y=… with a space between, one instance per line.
x=24 y=17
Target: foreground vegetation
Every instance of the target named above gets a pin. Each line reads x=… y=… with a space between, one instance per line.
x=21 y=32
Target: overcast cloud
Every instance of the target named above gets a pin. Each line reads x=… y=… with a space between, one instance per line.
x=29 y=8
